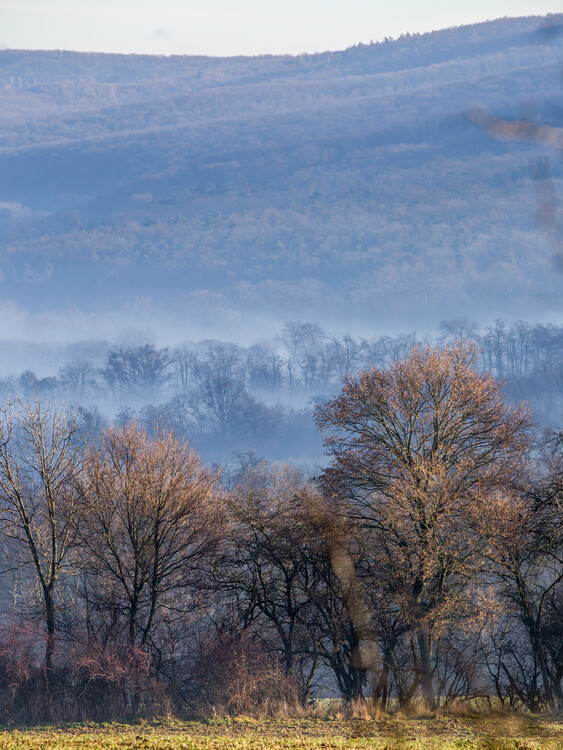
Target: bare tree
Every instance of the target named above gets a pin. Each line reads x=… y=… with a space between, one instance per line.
x=186 y=366
x=347 y=353
x=304 y=342
x=79 y=377
x=264 y=367
x=151 y=513
x=138 y=369
x=524 y=536
x=415 y=446
x=40 y=455
x=267 y=566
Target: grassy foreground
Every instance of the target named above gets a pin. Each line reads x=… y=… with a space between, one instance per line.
x=486 y=733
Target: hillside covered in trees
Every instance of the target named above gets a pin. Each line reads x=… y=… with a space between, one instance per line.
x=213 y=498
x=214 y=196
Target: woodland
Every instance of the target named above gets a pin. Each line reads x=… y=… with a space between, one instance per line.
x=206 y=512
x=421 y=566
x=225 y=398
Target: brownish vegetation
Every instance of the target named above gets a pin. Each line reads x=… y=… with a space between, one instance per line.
x=422 y=570
x=337 y=732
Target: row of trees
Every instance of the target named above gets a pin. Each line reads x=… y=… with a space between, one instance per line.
x=423 y=563
x=223 y=397
x=303 y=359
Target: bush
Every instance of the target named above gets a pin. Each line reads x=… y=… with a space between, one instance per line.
x=234 y=675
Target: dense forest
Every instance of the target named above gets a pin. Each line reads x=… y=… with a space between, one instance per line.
x=421 y=566
x=345 y=187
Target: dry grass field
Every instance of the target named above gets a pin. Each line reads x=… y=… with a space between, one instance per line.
x=390 y=733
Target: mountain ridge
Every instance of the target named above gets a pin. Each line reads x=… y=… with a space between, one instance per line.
x=335 y=193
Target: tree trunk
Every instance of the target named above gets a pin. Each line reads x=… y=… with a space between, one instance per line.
x=546 y=679
x=50 y=621
x=133 y=605
x=425 y=669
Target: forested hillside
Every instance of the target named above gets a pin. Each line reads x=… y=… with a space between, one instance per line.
x=229 y=484
x=339 y=187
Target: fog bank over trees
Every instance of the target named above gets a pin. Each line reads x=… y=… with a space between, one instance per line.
x=300 y=485
x=343 y=187
x=225 y=398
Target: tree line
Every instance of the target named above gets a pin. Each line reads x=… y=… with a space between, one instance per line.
x=224 y=397
x=422 y=564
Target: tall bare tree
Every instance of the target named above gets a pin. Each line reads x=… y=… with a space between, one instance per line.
x=267 y=569
x=415 y=446
x=151 y=513
x=524 y=536
x=40 y=455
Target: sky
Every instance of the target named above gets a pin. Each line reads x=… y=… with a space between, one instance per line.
x=237 y=27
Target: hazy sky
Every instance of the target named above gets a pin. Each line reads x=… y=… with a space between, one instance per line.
x=229 y=27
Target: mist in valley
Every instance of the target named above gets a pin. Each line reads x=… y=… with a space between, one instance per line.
x=229 y=399
x=165 y=221
x=203 y=253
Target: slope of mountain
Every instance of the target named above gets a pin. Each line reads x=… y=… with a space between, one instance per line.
x=347 y=187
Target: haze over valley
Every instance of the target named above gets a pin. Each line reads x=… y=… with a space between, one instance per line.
x=176 y=227
x=281 y=381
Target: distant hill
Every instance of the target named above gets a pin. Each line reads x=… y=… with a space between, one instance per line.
x=345 y=187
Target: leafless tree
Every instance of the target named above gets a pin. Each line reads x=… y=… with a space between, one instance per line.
x=415 y=447
x=40 y=456
x=80 y=378
x=151 y=514
x=267 y=567
x=524 y=534
x=186 y=367
x=138 y=369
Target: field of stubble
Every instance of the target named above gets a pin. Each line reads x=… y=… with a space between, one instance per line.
x=420 y=733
